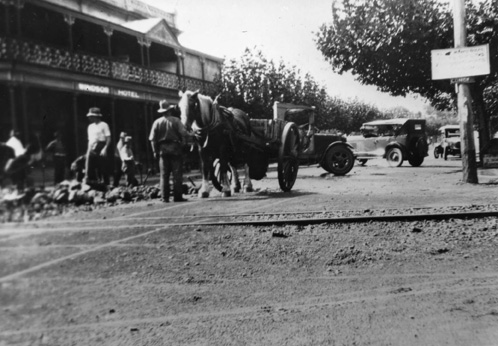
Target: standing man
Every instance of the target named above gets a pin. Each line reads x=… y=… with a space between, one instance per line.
x=59 y=157
x=99 y=139
x=167 y=137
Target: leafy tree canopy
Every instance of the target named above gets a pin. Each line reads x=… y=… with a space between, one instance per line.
x=388 y=43
x=253 y=83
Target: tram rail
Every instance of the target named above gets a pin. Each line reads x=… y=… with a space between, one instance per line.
x=282 y=218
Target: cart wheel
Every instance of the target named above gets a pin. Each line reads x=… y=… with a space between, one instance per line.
x=339 y=160
x=215 y=175
x=288 y=162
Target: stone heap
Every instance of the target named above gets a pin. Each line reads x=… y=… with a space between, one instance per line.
x=34 y=204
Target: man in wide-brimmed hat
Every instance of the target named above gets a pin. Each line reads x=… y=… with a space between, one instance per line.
x=99 y=139
x=167 y=137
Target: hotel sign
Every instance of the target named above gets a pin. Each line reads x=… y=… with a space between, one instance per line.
x=128 y=93
x=460 y=62
x=101 y=89
x=98 y=89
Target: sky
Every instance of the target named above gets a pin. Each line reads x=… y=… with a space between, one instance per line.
x=282 y=30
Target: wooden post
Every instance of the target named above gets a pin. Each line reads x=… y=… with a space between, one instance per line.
x=109 y=31
x=70 y=22
x=76 y=127
x=24 y=100
x=19 y=7
x=13 y=113
x=7 y=19
x=468 y=150
x=147 y=132
x=111 y=151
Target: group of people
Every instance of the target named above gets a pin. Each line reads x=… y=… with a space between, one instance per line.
x=167 y=137
x=98 y=159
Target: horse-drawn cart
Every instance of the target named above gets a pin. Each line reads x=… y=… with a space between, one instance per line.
x=270 y=141
x=290 y=138
x=227 y=139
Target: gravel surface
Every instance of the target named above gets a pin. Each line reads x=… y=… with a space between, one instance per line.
x=130 y=274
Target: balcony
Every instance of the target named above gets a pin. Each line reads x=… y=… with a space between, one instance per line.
x=38 y=54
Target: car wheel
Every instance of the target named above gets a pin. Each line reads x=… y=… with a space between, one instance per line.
x=338 y=160
x=436 y=153
x=394 y=157
x=416 y=161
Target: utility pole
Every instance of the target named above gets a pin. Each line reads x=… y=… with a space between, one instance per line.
x=465 y=113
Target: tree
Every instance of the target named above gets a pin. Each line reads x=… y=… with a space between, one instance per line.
x=253 y=83
x=388 y=43
x=399 y=112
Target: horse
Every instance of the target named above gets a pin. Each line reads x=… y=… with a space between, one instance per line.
x=216 y=131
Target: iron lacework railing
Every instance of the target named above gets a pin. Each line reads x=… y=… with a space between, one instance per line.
x=38 y=54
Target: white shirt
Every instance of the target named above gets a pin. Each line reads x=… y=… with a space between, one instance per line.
x=98 y=132
x=16 y=144
x=126 y=153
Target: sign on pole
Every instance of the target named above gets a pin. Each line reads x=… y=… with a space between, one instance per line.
x=460 y=62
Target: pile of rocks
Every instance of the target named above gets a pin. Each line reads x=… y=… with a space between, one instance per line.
x=34 y=204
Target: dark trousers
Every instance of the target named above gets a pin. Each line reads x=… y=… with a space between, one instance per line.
x=169 y=163
x=118 y=173
x=59 y=168
x=97 y=167
x=129 y=170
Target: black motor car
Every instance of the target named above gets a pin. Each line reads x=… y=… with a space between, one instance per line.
x=450 y=142
x=396 y=140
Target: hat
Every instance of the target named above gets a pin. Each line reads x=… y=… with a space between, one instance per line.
x=94 y=112
x=164 y=106
x=127 y=139
x=123 y=134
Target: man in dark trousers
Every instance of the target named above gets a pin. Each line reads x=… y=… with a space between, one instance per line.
x=58 y=150
x=99 y=140
x=167 y=137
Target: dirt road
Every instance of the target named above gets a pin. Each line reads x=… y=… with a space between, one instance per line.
x=148 y=274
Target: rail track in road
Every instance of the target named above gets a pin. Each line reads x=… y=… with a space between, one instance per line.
x=142 y=224
x=257 y=218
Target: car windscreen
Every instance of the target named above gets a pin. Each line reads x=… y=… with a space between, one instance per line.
x=453 y=133
x=379 y=130
x=299 y=117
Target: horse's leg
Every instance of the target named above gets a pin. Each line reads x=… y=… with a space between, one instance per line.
x=225 y=185
x=205 y=170
x=235 y=178
x=247 y=181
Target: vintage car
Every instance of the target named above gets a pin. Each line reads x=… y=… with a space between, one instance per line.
x=450 y=142
x=330 y=151
x=396 y=140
